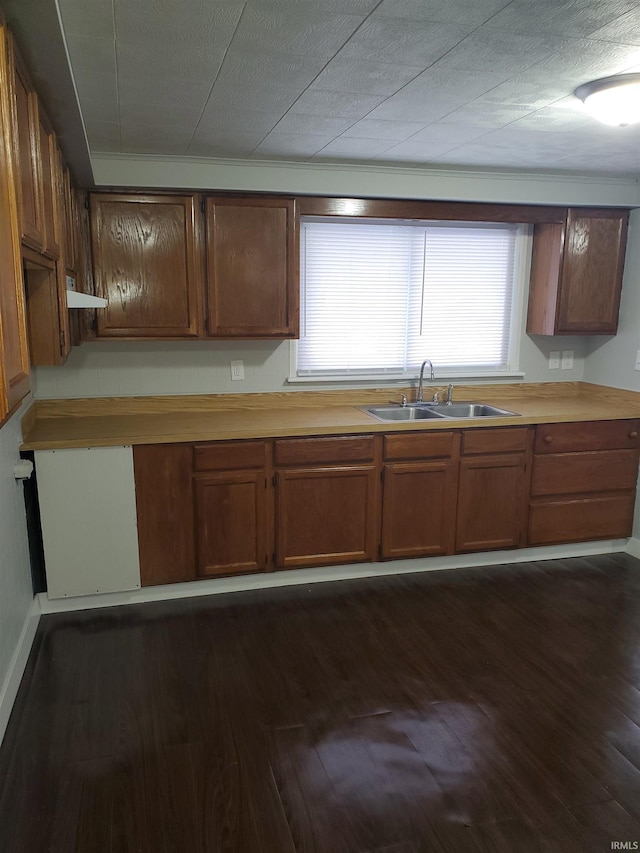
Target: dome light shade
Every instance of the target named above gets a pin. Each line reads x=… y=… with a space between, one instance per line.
x=612 y=100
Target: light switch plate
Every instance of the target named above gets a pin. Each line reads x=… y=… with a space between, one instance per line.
x=554 y=360
x=567 y=359
x=637 y=364
x=237 y=369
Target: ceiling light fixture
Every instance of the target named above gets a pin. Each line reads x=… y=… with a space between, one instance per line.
x=612 y=100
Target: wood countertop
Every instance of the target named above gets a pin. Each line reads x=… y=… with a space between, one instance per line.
x=105 y=422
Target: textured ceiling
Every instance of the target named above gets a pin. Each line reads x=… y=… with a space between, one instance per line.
x=474 y=83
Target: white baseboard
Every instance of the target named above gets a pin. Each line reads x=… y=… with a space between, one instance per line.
x=9 y=689
x=217 y=586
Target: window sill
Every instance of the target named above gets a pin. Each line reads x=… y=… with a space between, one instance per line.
x=385 y=379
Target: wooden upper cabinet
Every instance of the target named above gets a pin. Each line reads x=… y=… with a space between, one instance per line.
x=576 y=273
x=146 y=265
x=50 y=187
x=252 y=267
x=68 y=220
x=14 y=356
x=26 y=144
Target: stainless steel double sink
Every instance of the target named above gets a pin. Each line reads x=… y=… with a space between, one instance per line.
x=445 y=411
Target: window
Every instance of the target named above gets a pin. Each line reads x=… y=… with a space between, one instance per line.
x=378 y=297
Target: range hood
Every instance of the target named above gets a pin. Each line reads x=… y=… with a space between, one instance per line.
x=82 y=300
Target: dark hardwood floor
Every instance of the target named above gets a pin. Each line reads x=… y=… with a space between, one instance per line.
x=488 y=710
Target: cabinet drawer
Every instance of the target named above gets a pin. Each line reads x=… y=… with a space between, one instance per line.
x=589 y=435
x=423 y=445
x=314 y=451
x=508 y=440
x=589 y=471
x=604 y=517
x=229 y=455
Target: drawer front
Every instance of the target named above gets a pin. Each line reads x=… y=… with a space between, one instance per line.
x=605 y=517
x=422 y=445
x=587 y=435
x=507 y=440
x=229 y=455
x=315 y=451
x=589 y=471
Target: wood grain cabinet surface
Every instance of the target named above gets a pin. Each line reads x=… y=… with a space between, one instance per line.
x=584 y=481
x=327 y=500
x=252 y=267
x=493 y=489
x=231 y=507
x=166 y=514
x=50 y=187
x=576 y=273
x=26 y=143
x=146 y=265
x=232 y=494
x=14 y=360
x=419 y=495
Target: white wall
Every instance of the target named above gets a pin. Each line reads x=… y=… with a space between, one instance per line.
x=109 y=368
x=611 y=360
x=16 y=594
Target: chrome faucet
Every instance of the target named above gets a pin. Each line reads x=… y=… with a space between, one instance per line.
x=420 y=381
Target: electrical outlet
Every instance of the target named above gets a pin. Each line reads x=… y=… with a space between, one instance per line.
x=237 y=369
x=637 y=364
x=567 y=359
x=554 y=361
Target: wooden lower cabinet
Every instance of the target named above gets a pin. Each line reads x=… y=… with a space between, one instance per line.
x=230 y=522
x=492 y=489
x=232 y=507
x=582 y=519
x=584 y=481
x=326 y=515
x=419 y=494
x=491 y=503
x=418 y=509
x=164 y=501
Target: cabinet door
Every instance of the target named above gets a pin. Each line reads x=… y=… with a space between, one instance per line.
x=491 y=502
x=592 y=271
x=326 y=515
x=576 y=273
x=230 y=522
x=14 y=361
x=26 y=143
x=419 y=509
x=50 y=186
x=252 y=269
x=68 y=219
x=146 y=265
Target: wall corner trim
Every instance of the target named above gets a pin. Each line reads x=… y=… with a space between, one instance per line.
x=633 y=547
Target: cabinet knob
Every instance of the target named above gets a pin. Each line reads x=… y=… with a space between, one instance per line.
x=633 y=434
x=547 y=439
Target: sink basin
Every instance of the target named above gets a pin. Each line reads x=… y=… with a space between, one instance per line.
x=471 y=410
x=403 y=413
x=426 y=411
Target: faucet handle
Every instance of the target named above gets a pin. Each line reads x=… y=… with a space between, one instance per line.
x=403 y=401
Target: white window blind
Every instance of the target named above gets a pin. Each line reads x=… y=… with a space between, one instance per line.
x=380 y=297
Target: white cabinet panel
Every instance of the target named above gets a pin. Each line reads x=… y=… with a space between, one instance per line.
x=88 y=510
